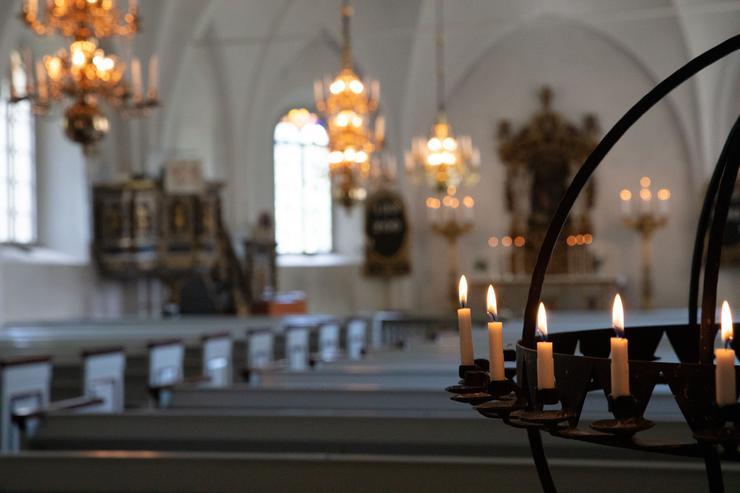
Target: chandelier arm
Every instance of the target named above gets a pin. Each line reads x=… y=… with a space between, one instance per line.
x=714 y=248
x=703 y=228
x=440 y=56
x=592 y=162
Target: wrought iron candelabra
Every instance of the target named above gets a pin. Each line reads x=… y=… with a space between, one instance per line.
x=518 y=402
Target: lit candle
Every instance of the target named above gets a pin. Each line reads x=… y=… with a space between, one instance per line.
x=725 y=370
x=664 y=196
x=153 y=77
x=625 y=198
x=495 y=339
x=620 y=356
x=545 y=362
x=645 y=204
x=465 y=325
x=136 y=78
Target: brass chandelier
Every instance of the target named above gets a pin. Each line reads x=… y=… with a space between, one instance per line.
x=81 y=19
x=349 y=107
x=83 y=73
x=441 y=158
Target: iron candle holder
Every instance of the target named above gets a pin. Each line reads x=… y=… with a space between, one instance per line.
x=716 y=430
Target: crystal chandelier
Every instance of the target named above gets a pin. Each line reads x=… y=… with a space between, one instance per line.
x=443 y=159
x=81 y=19
x=349 y=107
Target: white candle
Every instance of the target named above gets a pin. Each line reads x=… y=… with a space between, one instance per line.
x=495 y=339
x=136 y=79
x=620 y=374
x=465 y=325
x=153 y=77
x=725 y=369
x=545 y=362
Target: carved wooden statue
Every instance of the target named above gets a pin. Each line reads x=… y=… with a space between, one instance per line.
x=541 y=159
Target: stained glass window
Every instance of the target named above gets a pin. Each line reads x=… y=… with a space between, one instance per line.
x=302 y=187
x=17 y=165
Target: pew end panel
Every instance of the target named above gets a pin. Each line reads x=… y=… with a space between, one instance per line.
x=104 y=377
x=166 y=359
x=218 y=368
x=24 y=385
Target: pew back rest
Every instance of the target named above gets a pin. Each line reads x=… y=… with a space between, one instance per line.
x=297 y=347
x=329 y=341
x=25 y=383
x=103 y=377
x=166 y=363
x=260 y=349
x=357 y=334
x=377 y=339
x=217 y=364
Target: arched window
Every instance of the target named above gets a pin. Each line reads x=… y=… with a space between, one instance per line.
x=302 y=186
x=17 y=162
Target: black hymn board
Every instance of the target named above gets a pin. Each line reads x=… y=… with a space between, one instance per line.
x=386 y=235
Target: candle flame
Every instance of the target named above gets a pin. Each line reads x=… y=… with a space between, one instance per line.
x=542 y=321
x=618 y=316
x=463 y=291
x=491 y=306
x=726 y=322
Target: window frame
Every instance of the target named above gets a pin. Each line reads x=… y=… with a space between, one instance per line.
x=7 y=120
x=302 y=149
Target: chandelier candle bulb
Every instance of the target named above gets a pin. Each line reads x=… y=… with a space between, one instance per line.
x=495 y=339
x=136 y=78
x=620 y=376
x=43 y=88
x=725 y=362
x=153 y=77
x=465 y=325
x=545 y=361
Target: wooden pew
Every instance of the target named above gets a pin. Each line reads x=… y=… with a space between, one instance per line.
x=188 y=472
x=25 y=388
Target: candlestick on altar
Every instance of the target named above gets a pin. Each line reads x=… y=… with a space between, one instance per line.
x=545 y=362
x=495 y=339
x=725 y=362
x=645 y=220
x=465 y=325
x=451 y=221
x=620 y=377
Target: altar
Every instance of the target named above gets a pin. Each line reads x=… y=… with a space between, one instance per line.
x=561 y=292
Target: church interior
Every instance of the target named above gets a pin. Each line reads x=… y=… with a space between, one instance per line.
x=369 y=245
